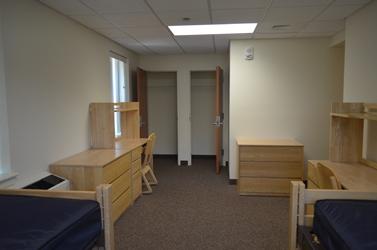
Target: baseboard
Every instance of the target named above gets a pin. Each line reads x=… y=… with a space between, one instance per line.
x=203 y=156
x=232 y=181
x=164 y=156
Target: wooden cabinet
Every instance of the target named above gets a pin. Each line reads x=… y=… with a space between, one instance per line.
x=119 y=167
x=136 y=174
x=266 y=167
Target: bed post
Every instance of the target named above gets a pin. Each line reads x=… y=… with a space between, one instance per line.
x=104 y=198
x=295 y=208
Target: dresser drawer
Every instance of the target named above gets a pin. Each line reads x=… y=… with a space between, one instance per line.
x=136 y=166
x=136 y=185
x=121 y=204
x=276 y=153
x=264 y=186
x=116 y=168
x=121 y=184
x=271 y=169
x=136 y=153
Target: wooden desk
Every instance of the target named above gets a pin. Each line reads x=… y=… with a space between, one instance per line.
x=266 y=167
x=352 y=176
x=119 y=167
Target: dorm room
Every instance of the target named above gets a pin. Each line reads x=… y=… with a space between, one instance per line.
x=118 y=131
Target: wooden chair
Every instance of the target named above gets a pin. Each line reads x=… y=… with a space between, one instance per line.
x=327 y=178
x=146 y=169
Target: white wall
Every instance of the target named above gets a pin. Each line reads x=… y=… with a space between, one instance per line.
x=162 y=110
x=286 y=91
x=203 y=93
x=183 y=65
x=4 y=132
x=54 y=69
x=360 y=76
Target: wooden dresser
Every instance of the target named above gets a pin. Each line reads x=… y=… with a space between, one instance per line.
x=266 y=167
x=119 y=166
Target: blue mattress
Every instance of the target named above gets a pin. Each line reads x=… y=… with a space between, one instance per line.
x=346 y=224
x=48 y=223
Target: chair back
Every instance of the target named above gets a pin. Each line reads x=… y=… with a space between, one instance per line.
x=148 y=151
x=327 y=178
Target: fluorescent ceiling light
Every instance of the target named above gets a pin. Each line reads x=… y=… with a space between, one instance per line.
x=213 y=29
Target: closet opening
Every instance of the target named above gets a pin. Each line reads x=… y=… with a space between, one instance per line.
x=162 y=111
x=203 y=94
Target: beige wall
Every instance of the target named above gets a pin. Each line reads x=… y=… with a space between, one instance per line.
x=54 y=69
x=162 y=110
x=360 y=76
x=4 y=132
x=183 y=65
x=286 y=91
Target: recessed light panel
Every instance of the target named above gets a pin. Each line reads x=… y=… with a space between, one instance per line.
x=213 y=29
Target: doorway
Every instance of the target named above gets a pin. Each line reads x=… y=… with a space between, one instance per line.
x=162 y=111
x=203 y=94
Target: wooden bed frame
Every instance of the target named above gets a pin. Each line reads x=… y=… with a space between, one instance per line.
x=300 y=197
x=102 y=195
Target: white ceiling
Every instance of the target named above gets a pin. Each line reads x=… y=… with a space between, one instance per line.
x=141 y=25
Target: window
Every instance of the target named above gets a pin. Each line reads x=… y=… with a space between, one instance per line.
x=120 y=87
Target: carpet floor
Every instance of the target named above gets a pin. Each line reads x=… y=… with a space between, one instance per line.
x=193 y=208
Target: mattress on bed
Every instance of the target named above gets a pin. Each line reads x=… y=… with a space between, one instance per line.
x=48 y=223
x=346 y=224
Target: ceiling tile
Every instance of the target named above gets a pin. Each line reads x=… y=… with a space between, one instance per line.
x=345 y=2
x=93 y=21
x=140 y=49
x=293 y=14
x=111 y=33
x=69 y=7
x=222 y=41
x=126 y=40
x=133 y=19
x=116 y=6
x=273 y=35
x=238 y=4
x=267 y=27
x=324 y=26
x=165 y=50
x=196 y=44
x=180 y=5
x=158 y=41
x=237 y=15
x=336 y=12
x=147 y=32
x=175 y=17
x=297 y=3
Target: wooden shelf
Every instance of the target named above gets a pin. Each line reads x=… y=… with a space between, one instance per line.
x=125 y=109
x=362 y=116
x=102 y=127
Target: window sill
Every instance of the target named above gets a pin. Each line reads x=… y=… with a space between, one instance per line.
x=6 y=179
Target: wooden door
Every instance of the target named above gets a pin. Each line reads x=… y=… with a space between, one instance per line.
x=219 y=119
x=142 y=88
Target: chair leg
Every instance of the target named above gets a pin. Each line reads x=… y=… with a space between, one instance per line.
x=146 y=182
x=154 y=179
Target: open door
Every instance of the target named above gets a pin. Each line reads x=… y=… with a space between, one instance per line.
x=142 y=87
x=219 y=118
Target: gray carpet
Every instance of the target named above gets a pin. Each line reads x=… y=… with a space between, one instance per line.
x=193 y=208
